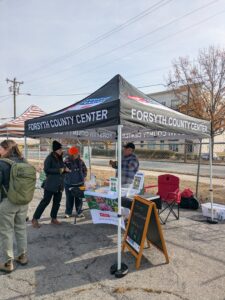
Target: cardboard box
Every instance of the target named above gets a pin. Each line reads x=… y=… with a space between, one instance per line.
x=218 y=210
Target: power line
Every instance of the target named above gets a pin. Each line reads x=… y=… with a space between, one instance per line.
x=2 y=96
x=4 y=99
x=130 y=42
x=87 y=93
x=132 y=20
x=60 y=95
x=155 y=43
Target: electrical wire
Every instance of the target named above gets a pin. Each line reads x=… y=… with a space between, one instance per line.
x=5 y=99
x=102 y=37
x=155 y=43
x=128 y=43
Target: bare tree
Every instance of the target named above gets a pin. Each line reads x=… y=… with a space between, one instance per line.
x=200 y=87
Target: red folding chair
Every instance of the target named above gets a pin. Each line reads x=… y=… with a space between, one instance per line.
x=168 y=190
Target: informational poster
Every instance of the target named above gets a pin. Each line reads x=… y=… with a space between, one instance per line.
x=87 y=156
x=138 y=182
x=137 y=185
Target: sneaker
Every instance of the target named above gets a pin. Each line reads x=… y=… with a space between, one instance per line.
x=22 y=259
x=67 y=216
x=7 y=267
x=55 y=222
x=80 y=215
x=35 y=223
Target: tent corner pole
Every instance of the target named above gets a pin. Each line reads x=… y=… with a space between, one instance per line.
x=211 y=184
x=89 y=156
x=25 y=147
x=119 y=141
x=199 y=165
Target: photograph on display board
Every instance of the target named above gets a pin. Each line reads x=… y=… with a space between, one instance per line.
x=102 y=203
x=113 y=184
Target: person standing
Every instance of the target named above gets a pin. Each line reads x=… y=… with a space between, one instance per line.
x=53 y=186
x=130 y=164
x=73 y=181
x=12 y=216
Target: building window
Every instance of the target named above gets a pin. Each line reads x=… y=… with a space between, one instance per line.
x=189 y=147
x=174 y=147
x=162 y=146
x=175 y=103
x=151 y=146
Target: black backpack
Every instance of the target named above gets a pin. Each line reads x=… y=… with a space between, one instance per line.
x=189 y=203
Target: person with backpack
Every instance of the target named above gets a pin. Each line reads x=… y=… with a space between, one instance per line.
x=73 y=181
x=17 y=185
x=53 y=186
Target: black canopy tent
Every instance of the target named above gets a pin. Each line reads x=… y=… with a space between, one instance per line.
x=97 y=116
x=118 y=111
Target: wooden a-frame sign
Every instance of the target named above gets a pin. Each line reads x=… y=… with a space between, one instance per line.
x=143 y=224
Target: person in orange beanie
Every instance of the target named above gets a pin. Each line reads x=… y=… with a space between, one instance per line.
x=73 y=151
x=73 y=181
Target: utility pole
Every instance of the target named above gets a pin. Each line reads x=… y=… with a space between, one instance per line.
x=14 y=89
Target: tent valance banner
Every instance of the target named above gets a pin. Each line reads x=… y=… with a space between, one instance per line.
x=97 y=116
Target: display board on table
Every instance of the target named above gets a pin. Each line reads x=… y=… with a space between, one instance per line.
x=143 y=225
x=103 y=206
x=137 y=185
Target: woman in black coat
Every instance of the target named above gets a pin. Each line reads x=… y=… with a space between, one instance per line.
x=53 y=187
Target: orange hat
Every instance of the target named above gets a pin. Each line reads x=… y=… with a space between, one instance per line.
x=73 y=150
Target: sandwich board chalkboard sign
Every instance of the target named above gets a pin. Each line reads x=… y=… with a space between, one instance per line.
x=143 y=224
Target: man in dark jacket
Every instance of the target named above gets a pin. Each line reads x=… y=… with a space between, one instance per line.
x=73 y=180
x=53 y=187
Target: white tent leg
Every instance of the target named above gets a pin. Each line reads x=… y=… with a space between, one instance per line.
x=25 y=147
x=116 y=151
x=119 y=194
x=198 y=170
x=211 y=185
x=39 y=156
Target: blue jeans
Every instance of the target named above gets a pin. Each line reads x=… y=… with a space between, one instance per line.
x=70 y=200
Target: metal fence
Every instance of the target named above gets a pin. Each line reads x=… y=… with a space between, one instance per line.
x=173 y=151
x=172 y=157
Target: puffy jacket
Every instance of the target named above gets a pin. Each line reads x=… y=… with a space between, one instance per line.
x=5 y=174
x=53 y=166
x=78 y=171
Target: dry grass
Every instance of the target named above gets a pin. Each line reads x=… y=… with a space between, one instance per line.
x=203 y=190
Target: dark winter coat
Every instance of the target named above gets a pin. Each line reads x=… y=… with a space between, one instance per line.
x=78 y=171
x=53 y=167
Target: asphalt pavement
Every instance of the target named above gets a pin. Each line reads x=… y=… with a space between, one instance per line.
x=172 y=167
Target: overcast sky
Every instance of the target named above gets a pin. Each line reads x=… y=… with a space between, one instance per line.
x=65 y=47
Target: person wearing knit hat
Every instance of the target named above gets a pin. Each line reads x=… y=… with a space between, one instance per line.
x=53 y=186
x=73 y=180
x=56 y=146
